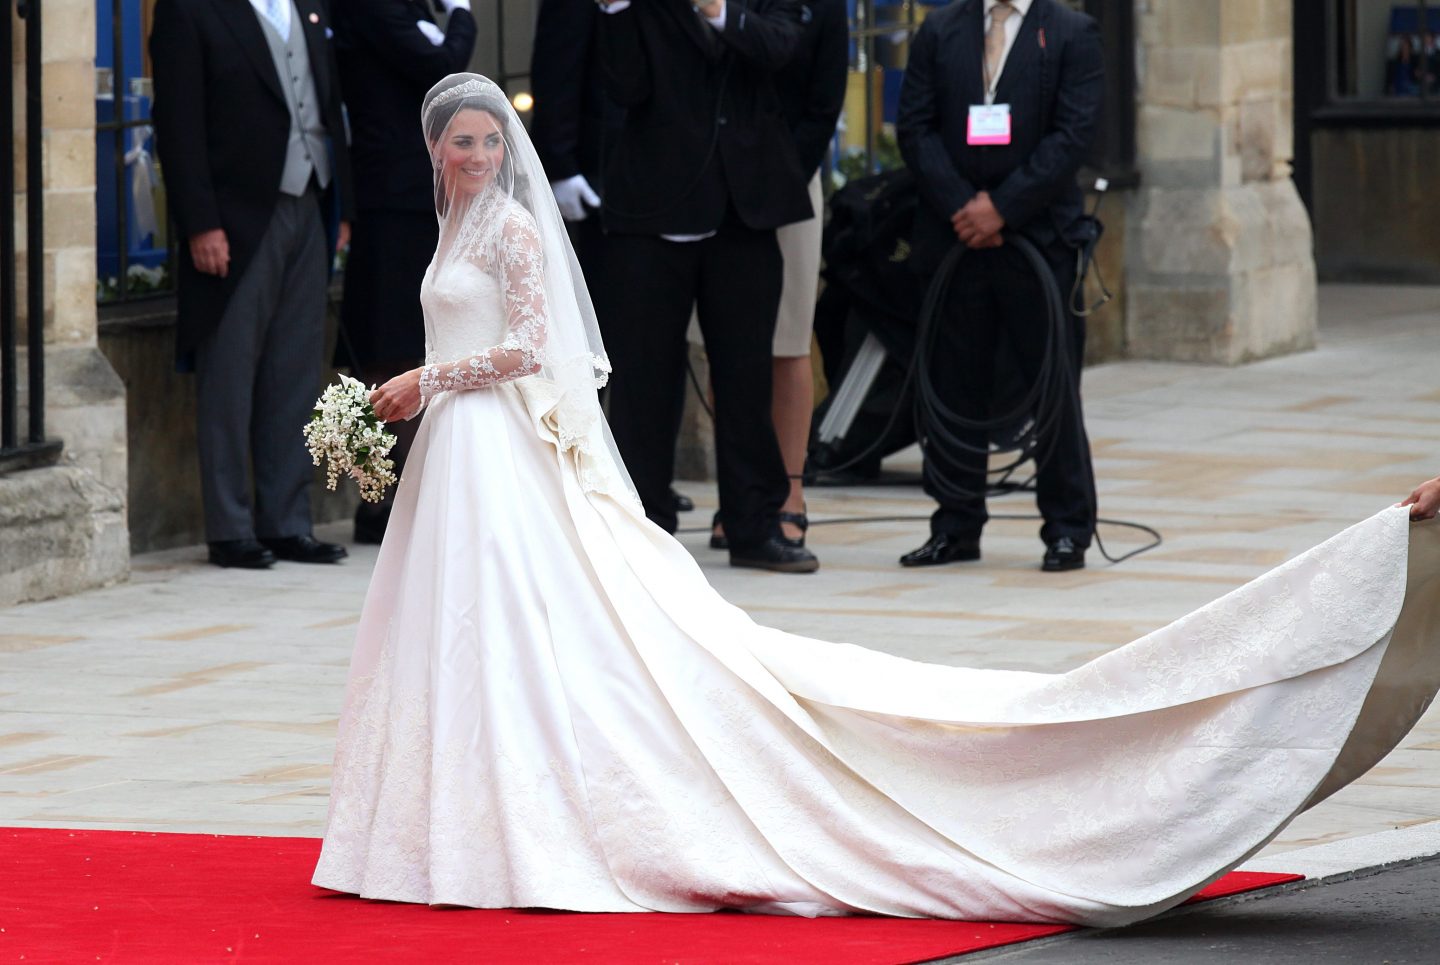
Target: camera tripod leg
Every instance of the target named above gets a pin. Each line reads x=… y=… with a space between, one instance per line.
x=853 y=390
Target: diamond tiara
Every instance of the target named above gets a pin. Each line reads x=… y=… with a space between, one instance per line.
x=478 y=86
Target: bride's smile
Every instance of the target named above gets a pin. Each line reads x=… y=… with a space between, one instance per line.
x=474 y=149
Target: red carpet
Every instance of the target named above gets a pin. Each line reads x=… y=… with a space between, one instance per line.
x=122 y=896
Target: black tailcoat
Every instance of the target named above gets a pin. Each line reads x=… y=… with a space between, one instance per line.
x=222 y=126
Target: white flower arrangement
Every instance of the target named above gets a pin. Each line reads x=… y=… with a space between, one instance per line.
x=351 y=438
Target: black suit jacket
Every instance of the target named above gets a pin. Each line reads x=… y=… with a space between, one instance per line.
x=573 y=120
x=222 y=126
x=386 y=67
x=812 y=86
x=703 y=128
x=1053 y=82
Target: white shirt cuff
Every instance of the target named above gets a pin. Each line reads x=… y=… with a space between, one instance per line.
x=616 y=6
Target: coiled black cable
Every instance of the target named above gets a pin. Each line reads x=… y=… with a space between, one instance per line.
x=1048 y=399
x=1042 y=406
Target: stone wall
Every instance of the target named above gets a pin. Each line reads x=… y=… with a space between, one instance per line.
x=62 y=528
x=1219 y=265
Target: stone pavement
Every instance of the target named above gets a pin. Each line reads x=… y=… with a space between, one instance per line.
x=200 y=699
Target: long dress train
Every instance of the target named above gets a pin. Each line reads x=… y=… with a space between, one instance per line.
x=549 y=706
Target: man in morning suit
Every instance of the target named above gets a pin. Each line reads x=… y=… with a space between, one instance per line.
x=702 y=173
x=999 y=105
x=390 y=53
x=252 y=147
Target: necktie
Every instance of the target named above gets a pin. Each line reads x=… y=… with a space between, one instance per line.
x=995 y=41
x=278 y=13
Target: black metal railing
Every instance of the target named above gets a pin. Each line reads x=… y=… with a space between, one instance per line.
x=34 y=449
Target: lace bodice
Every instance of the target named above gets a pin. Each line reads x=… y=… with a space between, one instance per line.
x=464 y=308
x=484 y=306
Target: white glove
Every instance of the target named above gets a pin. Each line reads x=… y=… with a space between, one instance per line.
x=572 y=195
x=450 y=5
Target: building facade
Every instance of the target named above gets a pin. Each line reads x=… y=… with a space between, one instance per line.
x=1230 y=127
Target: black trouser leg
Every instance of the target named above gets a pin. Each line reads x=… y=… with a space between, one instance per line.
x=997 y=296
x=1065 y=483
x=738 y=296
x=644 y=310
x=962 y=369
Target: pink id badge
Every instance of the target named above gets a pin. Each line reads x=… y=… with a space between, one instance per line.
x=988 y=124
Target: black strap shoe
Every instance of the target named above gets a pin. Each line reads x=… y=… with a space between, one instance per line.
x=306 y=549
x=943 y=548
x=1062 y=554
x=245 y=554
x=718 y=539
x=776 y=554
x=800 y=521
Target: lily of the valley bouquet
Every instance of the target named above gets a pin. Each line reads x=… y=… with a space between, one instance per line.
x=346 y=432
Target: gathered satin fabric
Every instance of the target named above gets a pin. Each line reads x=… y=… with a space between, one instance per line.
x=549 y=706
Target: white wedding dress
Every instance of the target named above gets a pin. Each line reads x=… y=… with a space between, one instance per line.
x=549 y=706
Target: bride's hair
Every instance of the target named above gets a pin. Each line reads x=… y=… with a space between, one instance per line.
x=491 y=100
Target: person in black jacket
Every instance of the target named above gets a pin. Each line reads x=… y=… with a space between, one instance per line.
x=390 y=52
x=252 y=149
x=998 y=108
x=572 y=120
x=703 y=172
x=571 y=125
x=812 y=94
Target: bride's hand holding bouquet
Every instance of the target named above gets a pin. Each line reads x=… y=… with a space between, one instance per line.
x=398 y=399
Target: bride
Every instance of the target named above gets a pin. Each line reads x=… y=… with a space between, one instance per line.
x=548 y=706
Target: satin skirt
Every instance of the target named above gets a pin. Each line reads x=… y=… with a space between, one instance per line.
x=549 y=706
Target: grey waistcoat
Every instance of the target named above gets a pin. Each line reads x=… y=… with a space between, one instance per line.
x=306 y=151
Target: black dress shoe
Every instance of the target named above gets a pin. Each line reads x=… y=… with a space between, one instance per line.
x=245 y=554
x=776 y=554
x=305 y=549
x=1062 y=554
x=683 y=503
x=943 y=548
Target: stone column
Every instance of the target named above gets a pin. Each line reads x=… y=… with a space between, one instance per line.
x=62 y=527
x=1219 y=263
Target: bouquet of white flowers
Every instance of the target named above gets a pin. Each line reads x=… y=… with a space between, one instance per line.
x=351 y=438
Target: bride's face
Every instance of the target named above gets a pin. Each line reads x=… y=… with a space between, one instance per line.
x=472 y=152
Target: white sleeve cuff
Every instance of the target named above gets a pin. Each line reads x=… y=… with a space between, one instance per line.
x=615 y=7
x=432 y=33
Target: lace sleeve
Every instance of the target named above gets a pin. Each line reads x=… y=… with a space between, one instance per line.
x=520 y=264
